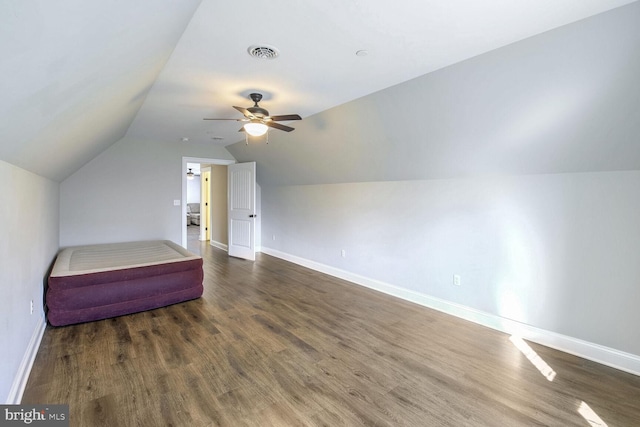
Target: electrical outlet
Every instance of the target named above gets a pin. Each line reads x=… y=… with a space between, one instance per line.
x=344 y=253
x=456 y=280
x=31 y=306
x=273 y=237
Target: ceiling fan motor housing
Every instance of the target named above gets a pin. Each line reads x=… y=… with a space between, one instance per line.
x=256 y=110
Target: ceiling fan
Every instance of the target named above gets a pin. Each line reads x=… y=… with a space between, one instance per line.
x=258 y=119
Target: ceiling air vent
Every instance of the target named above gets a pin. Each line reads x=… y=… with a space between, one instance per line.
x=263 y=52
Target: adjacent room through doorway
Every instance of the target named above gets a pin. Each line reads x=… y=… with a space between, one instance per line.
x=204 y=199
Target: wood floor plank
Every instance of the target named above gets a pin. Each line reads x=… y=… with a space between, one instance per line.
x=274 y=344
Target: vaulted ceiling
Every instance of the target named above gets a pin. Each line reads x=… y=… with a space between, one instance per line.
x=74 y=74
x=565 y=101
x=77 y=76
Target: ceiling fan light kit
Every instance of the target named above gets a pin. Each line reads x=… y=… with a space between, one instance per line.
x=255 y=128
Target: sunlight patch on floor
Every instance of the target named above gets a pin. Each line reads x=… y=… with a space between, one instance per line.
x=533 y=357
x=589 y=414
x=583 y=409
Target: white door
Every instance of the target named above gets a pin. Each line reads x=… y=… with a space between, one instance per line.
x=242 y=210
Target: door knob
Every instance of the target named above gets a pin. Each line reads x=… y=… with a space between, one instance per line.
x=253 y=216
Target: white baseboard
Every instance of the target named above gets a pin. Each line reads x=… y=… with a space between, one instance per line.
x=226 y=247
x=605 y=355
x=219 y=245
x=22 y=376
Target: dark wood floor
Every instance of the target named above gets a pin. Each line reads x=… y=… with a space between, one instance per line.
x=275 y=344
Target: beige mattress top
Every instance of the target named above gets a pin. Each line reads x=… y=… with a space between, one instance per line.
x=116 y=256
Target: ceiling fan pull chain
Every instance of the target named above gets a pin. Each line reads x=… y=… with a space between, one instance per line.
x=267 y=136
x=246 y=138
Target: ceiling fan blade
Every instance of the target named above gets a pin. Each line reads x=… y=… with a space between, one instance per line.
x=279 y=126
x=236 y=120
x=285 y=117
x=244 y=111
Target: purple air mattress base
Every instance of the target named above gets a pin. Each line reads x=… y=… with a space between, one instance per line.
x=76 y=297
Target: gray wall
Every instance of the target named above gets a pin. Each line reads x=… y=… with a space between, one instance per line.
x=127 y=192
x=29 y=229
x=559 y=252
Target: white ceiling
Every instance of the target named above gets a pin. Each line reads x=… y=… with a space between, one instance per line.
x=210 y=69
x=565 y=101
x=74 y=73
x=75 y=76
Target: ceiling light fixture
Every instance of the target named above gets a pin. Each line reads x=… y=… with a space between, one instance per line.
x=190 y=174
x=255 y=128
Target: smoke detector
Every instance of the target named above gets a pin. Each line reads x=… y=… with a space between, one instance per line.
x=263 y=52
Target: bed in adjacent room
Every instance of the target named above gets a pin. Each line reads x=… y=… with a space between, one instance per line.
x=100 y=281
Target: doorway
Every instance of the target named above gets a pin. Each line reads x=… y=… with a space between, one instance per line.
x=216 y=194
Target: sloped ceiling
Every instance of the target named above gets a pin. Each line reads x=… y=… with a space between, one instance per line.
x=74 y=73
x=210 y=69
x=77 y=76
x=567 y=100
